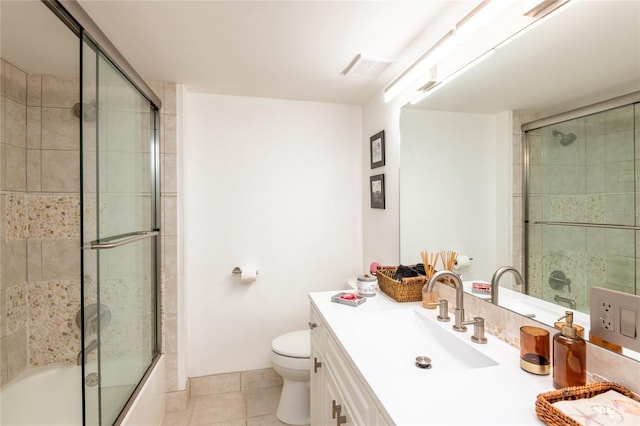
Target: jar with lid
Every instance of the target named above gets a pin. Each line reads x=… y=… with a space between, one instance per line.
x=367 y=285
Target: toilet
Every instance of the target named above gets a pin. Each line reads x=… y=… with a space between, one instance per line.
x=290 y=358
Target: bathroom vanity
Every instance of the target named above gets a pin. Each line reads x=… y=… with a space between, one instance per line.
x=363 y=369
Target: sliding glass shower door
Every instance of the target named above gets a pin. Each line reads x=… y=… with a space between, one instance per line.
x=582 y=198
x=120 y=232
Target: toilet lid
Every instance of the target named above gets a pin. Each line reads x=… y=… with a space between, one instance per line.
x=296 y=344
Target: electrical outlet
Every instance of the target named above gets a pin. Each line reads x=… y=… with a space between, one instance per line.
x=606 y=316
x=615 y=317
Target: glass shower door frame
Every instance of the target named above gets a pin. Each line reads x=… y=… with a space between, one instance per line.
x=97 y=248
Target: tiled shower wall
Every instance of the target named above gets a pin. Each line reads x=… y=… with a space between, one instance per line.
x=169 y=282
x=40 y=221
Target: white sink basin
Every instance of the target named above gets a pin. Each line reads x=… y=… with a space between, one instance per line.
x=408 y=333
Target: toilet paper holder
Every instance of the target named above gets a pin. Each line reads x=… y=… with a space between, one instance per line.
x=238 y=271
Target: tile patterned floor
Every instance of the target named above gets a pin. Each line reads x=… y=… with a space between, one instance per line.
x=235 y=399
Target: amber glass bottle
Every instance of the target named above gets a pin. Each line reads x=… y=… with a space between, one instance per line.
x=569 y=356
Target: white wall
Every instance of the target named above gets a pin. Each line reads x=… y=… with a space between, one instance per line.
x=381 y=232
x=507 y=150
x=275 y=183
x=448 y=195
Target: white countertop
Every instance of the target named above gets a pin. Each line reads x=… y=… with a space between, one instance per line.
x=499 y=394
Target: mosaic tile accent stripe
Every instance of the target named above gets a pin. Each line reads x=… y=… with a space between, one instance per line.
x=42 y=216
x=16 y=308
x=53 y=216
x=16 y=217
x=53 y=334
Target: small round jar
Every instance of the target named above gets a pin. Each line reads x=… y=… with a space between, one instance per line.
x=367 y=285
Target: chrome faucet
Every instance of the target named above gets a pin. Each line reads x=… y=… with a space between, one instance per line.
x=457 y=282
x=496 y=279
x=569 y=302
x=93 y=345
x=478 y=330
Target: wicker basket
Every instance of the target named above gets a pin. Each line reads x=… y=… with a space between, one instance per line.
x=550 y=415
x=406 y=290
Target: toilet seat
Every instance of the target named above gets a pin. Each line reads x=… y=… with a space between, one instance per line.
x=296 y=344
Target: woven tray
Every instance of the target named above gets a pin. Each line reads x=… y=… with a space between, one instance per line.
x=406 y=290
x=550 y=415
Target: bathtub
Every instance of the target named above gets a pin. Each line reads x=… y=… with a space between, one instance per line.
x=43 y=396
x=52 y=396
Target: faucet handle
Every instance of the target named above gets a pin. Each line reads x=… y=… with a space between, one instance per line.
x=478 y=330
x=443 y=314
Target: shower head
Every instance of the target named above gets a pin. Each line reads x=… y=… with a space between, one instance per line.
x=567 y=139
x=88 y=111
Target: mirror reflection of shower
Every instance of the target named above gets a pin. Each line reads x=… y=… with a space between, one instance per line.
x=581 y=209
x=566 y=139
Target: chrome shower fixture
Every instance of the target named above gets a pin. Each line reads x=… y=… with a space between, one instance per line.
x=88 y=111
x=558 y=280
x=567 y=139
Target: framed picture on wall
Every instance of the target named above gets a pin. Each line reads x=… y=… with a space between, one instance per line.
x=377 y=191
x=377 y=150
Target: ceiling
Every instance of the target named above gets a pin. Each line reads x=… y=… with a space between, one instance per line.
x=298 y=49
x=277 y=49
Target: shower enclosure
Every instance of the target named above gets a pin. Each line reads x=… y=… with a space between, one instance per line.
x=78 y=220
x=582 y=202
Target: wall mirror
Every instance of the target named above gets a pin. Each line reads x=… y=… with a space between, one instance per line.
x=587 y=54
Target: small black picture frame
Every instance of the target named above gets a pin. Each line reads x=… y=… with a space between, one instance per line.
x=377 y=149
x=376 y=186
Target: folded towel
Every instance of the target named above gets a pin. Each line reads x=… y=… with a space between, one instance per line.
x=407 y=272
x=608 y=408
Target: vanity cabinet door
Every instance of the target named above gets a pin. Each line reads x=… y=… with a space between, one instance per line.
x=317 y=369
x=337 y=395
x=357 y=406
x=337 y=407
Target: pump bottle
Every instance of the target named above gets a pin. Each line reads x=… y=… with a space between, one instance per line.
x=569 y=356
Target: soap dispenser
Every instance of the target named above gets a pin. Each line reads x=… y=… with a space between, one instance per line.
x=569 y=356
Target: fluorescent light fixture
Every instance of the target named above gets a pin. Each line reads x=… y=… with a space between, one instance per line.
x=433 y=79
x=474 y=20
x=562 y=6
x=540 y=10
x=434 y=88
x=479 y=17
x=442 y=48
x=533 y=8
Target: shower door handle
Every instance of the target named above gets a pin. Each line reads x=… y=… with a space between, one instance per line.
x=121 y=240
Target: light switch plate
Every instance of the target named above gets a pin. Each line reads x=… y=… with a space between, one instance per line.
x=615 y=317
x=628 y=322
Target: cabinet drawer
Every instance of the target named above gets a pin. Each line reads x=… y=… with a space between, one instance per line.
x=318 y=328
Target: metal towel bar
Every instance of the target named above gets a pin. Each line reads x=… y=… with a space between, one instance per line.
x=121 y=240
x=589 y=225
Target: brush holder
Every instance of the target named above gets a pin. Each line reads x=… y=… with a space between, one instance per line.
x=535 y=351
